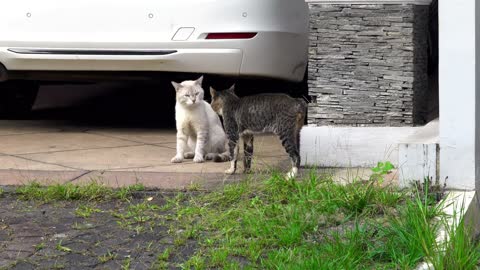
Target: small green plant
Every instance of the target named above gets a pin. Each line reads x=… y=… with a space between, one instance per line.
x=162 y=259
x=107 y=257
x=1 y=191
x=382 y=169
x=126 y=263
x=165 y=255
x=195 y=262
x=40 y=246
x=86 y=211
x=124 y=193
x=194 y=187
x=61 y=248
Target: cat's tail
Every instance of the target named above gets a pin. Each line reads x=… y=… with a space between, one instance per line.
x=216 y=157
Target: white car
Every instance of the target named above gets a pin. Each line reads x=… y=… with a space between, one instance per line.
x=40 y=39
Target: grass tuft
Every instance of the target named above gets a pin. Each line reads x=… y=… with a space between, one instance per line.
x=92 y=191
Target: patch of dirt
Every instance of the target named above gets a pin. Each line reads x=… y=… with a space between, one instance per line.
x=52 y=236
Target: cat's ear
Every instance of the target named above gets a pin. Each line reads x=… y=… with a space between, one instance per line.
x=213 y=92
x=175 y=85
x=199 y=81
x=232 y=89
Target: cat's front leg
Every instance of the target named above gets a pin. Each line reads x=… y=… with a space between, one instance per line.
x=200 y=147
x=248 y=152
x=181 y=147
x=233 y=147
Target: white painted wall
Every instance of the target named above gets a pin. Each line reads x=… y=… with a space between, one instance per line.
x=457 y=93
x=477 y=99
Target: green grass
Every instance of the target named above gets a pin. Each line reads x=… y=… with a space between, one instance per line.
x=271 y=223
x=460 y=251
x=309 y=224
x=92 y=191
x=313 y=223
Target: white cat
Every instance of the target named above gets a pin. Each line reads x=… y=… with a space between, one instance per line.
x=200 y=133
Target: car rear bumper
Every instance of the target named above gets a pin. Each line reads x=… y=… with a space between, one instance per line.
x=277 y=55
x=227 y=61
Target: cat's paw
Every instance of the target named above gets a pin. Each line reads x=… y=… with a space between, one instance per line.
x=292 y=173
x=230 y=171
x=198 y=159
x=177 y=159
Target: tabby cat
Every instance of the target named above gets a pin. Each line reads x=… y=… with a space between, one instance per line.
x=243 y=117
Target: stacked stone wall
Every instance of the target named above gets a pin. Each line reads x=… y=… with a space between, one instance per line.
x=367 y=64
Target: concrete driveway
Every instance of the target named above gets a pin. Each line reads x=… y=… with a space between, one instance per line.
x=58 y=151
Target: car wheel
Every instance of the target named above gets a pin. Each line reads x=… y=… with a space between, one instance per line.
x=17 y=97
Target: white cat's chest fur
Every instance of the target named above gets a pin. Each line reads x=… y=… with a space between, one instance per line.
x=191 y=120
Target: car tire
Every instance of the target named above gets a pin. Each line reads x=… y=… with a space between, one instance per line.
x=17 y=97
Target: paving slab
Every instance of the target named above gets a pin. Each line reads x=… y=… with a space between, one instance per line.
x=15 y=127
x=21 y=177
x=164 y=136
x=16 y=163
x=56 y=142
x=121 y=157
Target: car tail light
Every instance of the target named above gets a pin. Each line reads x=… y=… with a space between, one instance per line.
x=231 y=35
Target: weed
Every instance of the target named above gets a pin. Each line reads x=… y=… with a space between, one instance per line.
x=124 y=193
x=61 y=248
x=195 y=262
x=92 y=191
x=126 y=263
x=86 y=211
x=162 y=259
x=40 y=246
x=107 y=257
x=434 y=190
x=165 y=256
x=382 y=169
x=194 y=187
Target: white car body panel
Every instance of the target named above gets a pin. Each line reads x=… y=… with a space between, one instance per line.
x=279 y=50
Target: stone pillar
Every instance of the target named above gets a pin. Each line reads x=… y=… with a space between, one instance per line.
x=368 y=62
